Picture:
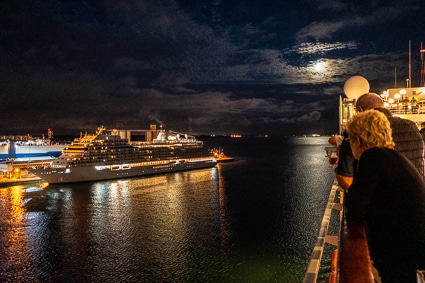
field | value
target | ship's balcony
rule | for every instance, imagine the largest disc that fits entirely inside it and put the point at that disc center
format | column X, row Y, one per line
column 408, row 103
column 414, row 112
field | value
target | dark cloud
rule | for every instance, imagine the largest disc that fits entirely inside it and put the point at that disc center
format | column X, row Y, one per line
column 250, row 67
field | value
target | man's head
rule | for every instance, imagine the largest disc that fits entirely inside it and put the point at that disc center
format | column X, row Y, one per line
column 423, row 125
column 369, row 101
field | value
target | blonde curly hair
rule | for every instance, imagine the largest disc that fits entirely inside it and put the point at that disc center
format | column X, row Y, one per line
column 372, row 128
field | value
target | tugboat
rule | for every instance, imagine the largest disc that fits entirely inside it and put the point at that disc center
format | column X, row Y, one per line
column 220, row 156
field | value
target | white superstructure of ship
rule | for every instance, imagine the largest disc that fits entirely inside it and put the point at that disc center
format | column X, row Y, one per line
column 109, row 154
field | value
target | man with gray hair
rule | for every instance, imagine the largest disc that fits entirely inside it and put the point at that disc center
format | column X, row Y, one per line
column 408, row 141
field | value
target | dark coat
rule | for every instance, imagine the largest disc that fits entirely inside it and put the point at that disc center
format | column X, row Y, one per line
column 388, row 194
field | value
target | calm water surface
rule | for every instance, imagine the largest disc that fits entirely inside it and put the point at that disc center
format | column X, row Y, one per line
column 252, row 220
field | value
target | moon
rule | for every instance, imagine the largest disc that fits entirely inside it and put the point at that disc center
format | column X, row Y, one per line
column 319, row 66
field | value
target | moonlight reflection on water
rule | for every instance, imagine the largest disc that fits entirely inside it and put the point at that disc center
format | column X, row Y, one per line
column 252, row 220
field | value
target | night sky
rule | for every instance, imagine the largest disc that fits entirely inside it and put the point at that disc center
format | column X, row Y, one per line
column 206, row 67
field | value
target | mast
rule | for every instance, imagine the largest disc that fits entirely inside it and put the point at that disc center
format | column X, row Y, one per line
column 395, row 77
column 409, row 82
column 422, row 51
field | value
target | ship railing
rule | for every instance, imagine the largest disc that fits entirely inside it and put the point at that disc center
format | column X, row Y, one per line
column 334, row 202
column 400, row 108
column 350, row 260
column 354, row 263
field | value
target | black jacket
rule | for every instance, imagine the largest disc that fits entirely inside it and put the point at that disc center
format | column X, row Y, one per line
column 388, row 194
column 407, row 138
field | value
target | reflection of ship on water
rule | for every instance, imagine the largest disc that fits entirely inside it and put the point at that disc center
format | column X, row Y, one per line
column 185, row 222
column 111, row 154
column 160, row 182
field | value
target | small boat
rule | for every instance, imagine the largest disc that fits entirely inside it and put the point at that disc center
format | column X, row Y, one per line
column 220, row 156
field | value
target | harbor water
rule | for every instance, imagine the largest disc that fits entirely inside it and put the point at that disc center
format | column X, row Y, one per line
column 252, row 220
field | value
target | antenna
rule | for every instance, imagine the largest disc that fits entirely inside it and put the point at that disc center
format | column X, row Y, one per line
column 422, row 51
column 409, row 82
column 395, row 77
column 190, row 124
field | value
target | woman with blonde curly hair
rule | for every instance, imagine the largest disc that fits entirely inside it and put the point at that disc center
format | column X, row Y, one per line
column 372, row 129
column 388, row 195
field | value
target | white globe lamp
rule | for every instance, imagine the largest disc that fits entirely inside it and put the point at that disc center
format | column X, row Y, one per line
column 356, row 86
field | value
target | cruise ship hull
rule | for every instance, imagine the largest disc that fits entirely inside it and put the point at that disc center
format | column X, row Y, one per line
column 30, row 151
column 101, row 172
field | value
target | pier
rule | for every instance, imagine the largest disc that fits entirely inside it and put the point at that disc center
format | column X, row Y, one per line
column 13, row 172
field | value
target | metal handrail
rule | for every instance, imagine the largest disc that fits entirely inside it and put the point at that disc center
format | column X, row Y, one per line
column 323, row 237
column 353, row 259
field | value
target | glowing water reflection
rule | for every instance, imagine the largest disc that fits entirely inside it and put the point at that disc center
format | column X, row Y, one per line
column 252, row 220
